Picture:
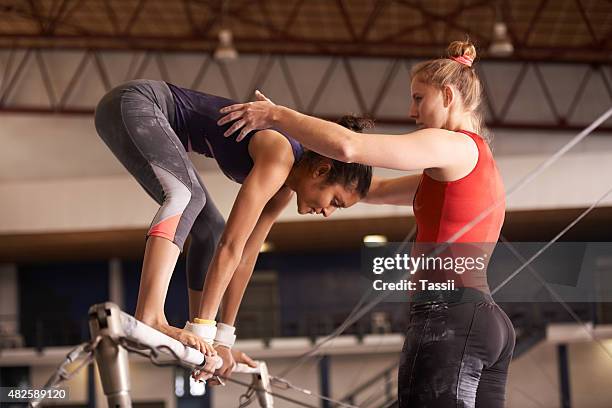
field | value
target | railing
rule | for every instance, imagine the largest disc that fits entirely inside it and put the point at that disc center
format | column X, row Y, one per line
column 306, row 322
column 253, row 324
column 371, row 389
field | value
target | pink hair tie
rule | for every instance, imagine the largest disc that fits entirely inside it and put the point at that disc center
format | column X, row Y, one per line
column 464, row 60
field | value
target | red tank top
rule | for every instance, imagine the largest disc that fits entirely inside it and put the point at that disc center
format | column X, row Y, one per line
column 443, row 208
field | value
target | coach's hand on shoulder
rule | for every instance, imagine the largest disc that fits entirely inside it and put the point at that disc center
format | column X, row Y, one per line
column 248, row 116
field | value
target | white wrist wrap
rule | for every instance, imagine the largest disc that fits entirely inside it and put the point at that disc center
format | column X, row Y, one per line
column 225, row 335
column 206, row 332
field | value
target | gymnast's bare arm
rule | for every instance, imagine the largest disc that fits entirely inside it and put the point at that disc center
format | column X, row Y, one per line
column 273, row 159
column 395, row 191
column 237, row 286
column 233, row 295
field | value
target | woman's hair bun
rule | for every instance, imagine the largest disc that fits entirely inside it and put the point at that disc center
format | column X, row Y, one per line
column 355, row 123
column 461, row 49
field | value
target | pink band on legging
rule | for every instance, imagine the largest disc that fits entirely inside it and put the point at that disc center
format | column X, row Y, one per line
column 166, row 228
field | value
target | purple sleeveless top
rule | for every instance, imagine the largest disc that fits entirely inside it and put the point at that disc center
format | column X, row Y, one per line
column 195, row 123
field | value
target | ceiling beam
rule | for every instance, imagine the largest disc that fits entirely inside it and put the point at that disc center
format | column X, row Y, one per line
column 294, row 46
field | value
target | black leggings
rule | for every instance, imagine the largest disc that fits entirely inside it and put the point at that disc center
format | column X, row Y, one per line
column 456, row 353
column 134, row 120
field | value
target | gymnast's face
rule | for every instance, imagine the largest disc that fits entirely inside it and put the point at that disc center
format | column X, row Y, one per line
column 428, row 107
column 315, row 195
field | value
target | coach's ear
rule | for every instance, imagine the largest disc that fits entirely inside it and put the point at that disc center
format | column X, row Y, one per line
column 448, row 95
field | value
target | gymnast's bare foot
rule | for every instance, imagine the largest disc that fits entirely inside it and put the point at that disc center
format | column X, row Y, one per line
column 192, row 340
column 187, row 338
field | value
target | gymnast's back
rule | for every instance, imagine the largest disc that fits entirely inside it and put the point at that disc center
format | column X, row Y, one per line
column 195, row 123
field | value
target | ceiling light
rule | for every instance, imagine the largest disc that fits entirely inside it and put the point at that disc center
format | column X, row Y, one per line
column 225, row 50
column 501, row 46
column 374, row 239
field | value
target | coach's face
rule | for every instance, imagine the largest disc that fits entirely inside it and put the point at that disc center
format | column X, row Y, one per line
column 428, row 107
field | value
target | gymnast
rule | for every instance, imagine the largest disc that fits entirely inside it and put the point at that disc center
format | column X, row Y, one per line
column 458, row 345
column 150, row 126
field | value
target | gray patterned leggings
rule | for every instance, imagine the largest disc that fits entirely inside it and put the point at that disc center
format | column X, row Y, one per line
column 134, row 120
